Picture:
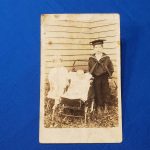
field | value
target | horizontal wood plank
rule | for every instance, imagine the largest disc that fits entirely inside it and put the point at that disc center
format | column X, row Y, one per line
column 50, row 63
column 77, row 24
column 105, row 33
column 76, row 52
column 76, row 40
column 79, row 18
column 67, row 28
column 80, row 57
column 77, row 46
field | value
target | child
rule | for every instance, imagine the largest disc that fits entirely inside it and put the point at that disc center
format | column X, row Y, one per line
column 101, row 68
column 79, row 85
column 58, row 79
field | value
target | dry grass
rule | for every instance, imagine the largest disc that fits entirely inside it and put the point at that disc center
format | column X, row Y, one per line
column 94, row 120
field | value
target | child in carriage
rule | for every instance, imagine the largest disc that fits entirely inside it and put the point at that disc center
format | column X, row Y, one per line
column 79, row 85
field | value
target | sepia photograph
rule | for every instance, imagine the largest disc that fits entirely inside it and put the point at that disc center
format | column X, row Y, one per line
column 80, row 91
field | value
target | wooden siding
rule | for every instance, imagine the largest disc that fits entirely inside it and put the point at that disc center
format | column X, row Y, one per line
column 70, row 35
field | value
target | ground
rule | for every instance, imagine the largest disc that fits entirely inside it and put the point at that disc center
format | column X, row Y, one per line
column 94, row 120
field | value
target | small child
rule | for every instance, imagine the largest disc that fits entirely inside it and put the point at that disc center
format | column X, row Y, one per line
column 58, row 79
column 79, row 85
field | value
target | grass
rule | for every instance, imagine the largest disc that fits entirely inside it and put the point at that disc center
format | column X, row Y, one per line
column 94, row 120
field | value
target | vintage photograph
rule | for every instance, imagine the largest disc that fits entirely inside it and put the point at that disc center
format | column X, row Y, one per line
column 80, row 77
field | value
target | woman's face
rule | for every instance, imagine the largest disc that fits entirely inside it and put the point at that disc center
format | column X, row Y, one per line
column 98, row 49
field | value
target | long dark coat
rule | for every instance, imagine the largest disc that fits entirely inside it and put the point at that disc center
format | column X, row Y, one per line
column 101, row 71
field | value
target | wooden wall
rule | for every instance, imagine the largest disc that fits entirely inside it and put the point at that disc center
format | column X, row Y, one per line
column 70, row 35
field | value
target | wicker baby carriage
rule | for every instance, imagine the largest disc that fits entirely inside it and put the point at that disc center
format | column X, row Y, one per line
column 73, row 101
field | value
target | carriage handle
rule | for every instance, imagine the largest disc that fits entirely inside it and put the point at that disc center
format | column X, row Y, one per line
column 73, row 67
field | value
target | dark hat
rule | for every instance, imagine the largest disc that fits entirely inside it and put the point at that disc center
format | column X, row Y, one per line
column 97, row 42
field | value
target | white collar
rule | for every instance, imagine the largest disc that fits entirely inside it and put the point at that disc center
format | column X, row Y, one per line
column 98, row 57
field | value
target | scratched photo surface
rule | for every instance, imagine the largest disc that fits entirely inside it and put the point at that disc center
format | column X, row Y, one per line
column 80, row 77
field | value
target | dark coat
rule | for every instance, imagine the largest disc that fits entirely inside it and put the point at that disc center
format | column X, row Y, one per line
column 103, row 66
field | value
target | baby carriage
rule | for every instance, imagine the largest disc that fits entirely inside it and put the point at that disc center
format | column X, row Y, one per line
column 69, row 100
column 73, row 101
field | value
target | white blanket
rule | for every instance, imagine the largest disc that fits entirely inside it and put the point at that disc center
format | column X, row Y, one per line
column 79, row 86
